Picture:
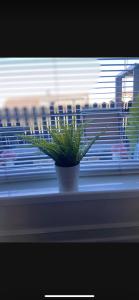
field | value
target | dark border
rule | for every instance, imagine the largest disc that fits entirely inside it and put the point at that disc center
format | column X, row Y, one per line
column 106, row 269
column 68, row 31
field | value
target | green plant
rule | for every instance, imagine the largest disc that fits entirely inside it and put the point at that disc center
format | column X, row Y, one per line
column 66, row 148
column 132, row 127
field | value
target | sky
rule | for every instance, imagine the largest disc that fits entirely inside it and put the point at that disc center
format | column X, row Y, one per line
column 42, row 76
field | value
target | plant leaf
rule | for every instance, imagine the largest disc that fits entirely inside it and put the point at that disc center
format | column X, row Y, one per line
column 65, row 148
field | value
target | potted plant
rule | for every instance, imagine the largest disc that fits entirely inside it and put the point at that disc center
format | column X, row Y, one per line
column 132, row 129
column 66, row 149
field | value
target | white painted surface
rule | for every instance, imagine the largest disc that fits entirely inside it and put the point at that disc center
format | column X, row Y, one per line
column 96, row 185
column 104, row 209
column 68, row 178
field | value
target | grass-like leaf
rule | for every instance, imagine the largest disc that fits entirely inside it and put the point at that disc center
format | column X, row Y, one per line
column 65, row 148
column 132, row 126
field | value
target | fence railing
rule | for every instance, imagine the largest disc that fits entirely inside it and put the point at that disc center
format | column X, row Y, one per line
column 43, row 115
column 36, row 120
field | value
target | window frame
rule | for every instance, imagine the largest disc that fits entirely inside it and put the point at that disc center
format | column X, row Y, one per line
column 117, row 169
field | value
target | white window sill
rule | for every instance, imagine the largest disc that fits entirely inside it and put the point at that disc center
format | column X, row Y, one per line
column 106, row 208
column 47, row 189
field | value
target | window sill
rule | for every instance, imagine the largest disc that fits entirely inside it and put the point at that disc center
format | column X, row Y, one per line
column 45, row 189
column 104, row 209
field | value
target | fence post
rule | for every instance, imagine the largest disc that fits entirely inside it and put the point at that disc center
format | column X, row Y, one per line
column 112, row 104
column 44, row 122
column 104, row 105
column 60, row 113
column 52, row 116
column 69, row 114
column 78, row 114
column 35, row 120
column 95, row 105
column 8, row 117
column 26, row 116
column 17, row 116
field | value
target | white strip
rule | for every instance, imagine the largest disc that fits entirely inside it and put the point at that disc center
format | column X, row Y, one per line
column 102, row 184
column 69, row 296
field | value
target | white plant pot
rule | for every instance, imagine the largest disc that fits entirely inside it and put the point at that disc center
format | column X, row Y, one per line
column 68, row 178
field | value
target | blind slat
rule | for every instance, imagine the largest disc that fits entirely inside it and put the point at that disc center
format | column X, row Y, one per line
column 107, row 86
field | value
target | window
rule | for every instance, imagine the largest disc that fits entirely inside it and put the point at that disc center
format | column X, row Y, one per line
column 35, row 92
